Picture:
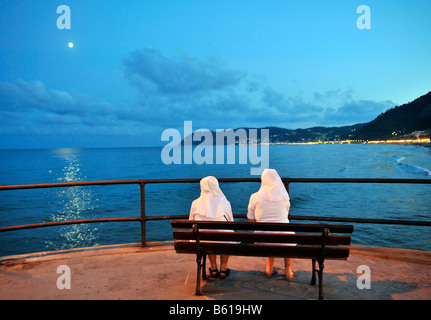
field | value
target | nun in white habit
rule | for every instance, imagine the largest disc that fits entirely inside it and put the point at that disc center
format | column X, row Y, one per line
column 212, row 205
column 271, row 204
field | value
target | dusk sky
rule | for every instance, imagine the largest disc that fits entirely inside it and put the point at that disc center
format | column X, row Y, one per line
column 137, row 68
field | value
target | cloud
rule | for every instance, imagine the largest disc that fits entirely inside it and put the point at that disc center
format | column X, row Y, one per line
column 208, row 92
column 21, row 96
column 213, row 95
column 181, row 75
column 293, row 108
column 171, row 90
column 32, row 107
column 357, row 111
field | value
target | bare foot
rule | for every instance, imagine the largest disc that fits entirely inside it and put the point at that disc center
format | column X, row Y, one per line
column 269, row 271
column 289, row 276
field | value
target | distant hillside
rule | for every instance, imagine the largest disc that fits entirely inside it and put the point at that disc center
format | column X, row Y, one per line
column 399, row 121
column 408, row 120
column 315, row 134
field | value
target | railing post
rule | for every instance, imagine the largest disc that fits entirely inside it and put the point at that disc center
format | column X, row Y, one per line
column 286, row 185
column 143, row 217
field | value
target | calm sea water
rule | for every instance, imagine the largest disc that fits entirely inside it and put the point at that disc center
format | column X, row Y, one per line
column 385, row 201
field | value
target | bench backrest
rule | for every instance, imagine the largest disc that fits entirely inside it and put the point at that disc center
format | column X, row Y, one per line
column 240, row 238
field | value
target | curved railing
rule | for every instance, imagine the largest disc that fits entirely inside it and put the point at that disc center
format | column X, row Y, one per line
column 143, row 218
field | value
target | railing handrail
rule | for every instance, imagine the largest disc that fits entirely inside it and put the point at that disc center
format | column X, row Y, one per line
column 148, row 181
column 143, row 218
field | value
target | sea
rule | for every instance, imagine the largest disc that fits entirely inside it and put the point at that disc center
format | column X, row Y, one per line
column 376, row 201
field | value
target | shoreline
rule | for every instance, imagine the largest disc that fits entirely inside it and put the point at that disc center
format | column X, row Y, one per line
column 425, row 143
column 420, row 142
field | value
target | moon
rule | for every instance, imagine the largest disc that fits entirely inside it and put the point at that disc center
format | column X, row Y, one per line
column 70, row 45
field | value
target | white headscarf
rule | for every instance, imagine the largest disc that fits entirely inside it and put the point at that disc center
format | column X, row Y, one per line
column 212, row 203
column 272, row 188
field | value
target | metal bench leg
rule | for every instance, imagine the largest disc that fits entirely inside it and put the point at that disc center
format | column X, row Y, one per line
column 321, row 266
column 204, row 268
column 320, row 273
column 313, row 272
column 198, row 277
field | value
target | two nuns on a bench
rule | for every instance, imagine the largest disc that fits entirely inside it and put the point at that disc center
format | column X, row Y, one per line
column 270, row 204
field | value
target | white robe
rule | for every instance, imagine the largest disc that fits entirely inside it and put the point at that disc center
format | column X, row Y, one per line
column 212, row 205
column 271, row 203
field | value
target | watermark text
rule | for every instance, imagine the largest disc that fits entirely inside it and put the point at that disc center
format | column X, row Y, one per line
column 198, row 147
column 364, row 280
column 364, row 20
column 64, row 280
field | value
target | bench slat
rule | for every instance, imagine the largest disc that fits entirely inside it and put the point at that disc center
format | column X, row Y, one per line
column 299, row 251
column 262, row 226
column 310, row 239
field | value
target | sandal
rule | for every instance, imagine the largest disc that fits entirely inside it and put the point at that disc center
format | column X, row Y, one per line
column 213, row 273
column 269, row 274
column 291, row 276
column 225, row 273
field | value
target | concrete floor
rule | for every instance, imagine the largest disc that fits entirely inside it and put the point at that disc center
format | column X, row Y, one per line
column 156, row 272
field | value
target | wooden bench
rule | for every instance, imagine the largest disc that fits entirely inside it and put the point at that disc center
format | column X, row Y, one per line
column 312, row 241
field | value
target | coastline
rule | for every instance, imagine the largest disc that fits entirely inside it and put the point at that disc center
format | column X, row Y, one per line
column 420, row 142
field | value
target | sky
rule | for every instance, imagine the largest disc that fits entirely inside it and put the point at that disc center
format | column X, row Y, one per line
column 140, row 67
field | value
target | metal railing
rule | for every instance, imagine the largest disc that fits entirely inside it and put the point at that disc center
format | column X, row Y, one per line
column 143, row 218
